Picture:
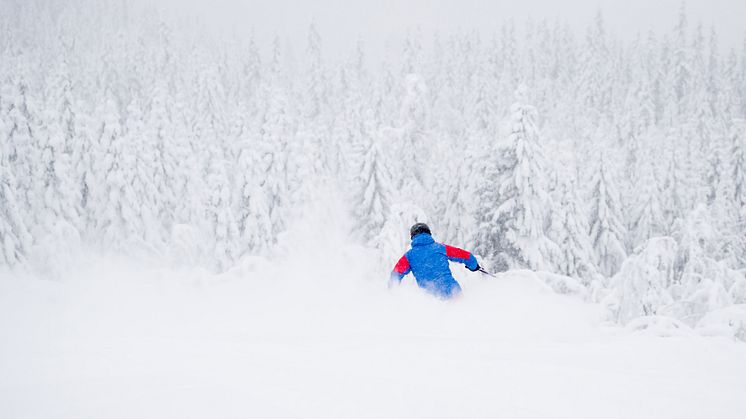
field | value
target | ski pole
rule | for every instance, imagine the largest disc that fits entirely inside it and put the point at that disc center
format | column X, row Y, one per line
column 481, row 269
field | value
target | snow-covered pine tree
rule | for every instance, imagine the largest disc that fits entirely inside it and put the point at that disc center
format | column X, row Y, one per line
column 721, row 204
column 465, row 157
column 252, row 71
column 594, row 79
column 666, row 104
column 489, row 236
column 61, row 195
column 738, row 165
column 277, row 131
column 508, row 64
column 142, row 159
column 714, row 74
column 569, row 230
column 110, row 193
column 513, row 214
column 741, row 83
column 251, row 204
column 641, row 287
column 648, row 218
column 412, row 136
column 15, row 239
column 681, row 69
column 254, row 221
column 310, row 153
column 165, row 153
column 606, row 227
column 219, row 216
column 354, row 96
column 83, row 153
column 374, row 185
column 674, row 183
column 458, row 217
column 729, row 103
column 701, row 131
column 732, row 195
column 23, row 147
column 696, row 284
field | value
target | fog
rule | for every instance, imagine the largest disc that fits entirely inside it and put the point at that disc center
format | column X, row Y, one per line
column 382, row 24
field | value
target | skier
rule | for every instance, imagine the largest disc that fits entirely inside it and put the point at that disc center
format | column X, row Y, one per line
column 428, row 261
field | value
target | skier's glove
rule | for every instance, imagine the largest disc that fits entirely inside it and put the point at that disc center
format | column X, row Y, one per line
column 475, row 269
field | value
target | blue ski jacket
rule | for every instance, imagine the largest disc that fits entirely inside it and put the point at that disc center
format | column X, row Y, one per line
column 428, row 261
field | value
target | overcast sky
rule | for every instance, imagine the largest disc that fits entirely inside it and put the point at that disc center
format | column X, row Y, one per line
column 342, row 21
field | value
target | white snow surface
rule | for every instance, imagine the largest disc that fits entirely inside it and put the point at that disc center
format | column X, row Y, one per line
column 317, row 334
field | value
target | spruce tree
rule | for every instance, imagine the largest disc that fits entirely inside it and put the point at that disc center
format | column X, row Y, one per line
column 569, row 230
column 513, row 214
column 606, row 227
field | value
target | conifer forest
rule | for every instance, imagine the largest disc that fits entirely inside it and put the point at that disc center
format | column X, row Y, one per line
column 607, row 167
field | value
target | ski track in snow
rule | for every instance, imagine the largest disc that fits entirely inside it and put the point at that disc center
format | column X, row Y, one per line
column 308, row 337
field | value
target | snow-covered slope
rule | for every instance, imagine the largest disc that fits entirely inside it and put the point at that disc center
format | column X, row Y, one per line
column 320, row 335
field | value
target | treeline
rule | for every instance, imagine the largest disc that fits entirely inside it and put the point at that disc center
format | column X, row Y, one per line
column 620, row 164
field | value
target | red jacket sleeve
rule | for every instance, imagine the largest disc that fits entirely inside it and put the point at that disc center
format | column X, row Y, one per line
column 460, row 255
column 402, row 268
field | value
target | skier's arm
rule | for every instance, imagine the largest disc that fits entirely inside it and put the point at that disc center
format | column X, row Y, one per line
column 402, row 268
column 462, row 256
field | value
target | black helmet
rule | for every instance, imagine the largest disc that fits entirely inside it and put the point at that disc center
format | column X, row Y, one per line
column 418, row 228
